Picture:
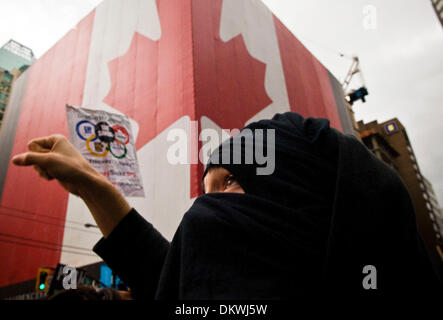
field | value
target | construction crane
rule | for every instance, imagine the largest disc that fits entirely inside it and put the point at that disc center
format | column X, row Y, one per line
column 358, row 94
column 350, row 95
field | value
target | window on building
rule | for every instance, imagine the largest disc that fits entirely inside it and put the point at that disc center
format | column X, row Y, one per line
column 7, row 77
column 386, row 159
column 4, row 87
column 368, row 143
column 23, row 68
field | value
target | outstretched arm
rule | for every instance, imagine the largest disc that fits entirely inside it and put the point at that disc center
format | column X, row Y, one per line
column 132, row 247
column 54, row 157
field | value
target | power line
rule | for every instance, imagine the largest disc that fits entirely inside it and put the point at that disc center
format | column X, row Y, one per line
column 49, row 223
column 46, row 248
column 44, row 242
column 42, row 215
column 335, row 52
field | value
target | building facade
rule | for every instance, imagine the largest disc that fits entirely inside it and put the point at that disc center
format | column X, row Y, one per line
column 390, row 143
column 167, row 65
column 15, row 58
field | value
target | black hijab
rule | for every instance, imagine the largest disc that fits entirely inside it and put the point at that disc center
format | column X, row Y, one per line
column 328, row 209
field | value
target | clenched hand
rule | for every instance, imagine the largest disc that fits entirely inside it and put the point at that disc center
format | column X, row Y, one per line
column 54, row 157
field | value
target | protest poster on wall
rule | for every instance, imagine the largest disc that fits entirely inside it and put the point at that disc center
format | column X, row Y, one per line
column 105, row 139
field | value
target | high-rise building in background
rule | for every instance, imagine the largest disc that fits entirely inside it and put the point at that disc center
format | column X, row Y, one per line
column 438, row 7
column 390, row 143
column 15, row 58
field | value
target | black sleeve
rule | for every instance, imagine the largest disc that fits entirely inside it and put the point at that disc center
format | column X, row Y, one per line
column 135, row 251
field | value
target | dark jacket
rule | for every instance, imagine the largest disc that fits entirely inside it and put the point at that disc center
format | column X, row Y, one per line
column 329, row 209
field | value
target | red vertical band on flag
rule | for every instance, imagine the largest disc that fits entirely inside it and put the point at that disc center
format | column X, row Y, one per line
column 32, row 210
column 307, row 80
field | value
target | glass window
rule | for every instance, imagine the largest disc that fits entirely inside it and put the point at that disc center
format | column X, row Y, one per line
column 7, row 77
column 23, row 68
column 4, row 87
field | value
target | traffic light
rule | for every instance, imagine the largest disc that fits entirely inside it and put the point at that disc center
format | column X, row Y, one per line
column 42, row 280
column 358, row 94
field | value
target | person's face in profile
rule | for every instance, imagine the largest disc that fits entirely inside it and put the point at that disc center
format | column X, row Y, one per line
column 219, row 179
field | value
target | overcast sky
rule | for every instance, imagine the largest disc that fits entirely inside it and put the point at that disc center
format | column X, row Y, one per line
column 401, row 59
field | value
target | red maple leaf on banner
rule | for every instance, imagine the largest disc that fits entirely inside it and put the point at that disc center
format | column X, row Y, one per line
column 153, row 82
column 137, row 97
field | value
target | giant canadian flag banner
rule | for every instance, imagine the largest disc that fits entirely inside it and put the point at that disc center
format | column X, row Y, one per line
column 164, row 66
column 105, row 139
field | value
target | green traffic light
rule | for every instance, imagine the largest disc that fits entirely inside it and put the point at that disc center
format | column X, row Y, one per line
column 42, row 286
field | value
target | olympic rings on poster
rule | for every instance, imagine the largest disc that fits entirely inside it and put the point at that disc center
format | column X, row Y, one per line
column 106, row 136
column 117, row 128
column 100, row 155
column 115, row 156
column 77, row 129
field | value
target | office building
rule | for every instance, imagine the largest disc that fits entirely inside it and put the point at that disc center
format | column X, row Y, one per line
column 390, row 143
column 15, row 58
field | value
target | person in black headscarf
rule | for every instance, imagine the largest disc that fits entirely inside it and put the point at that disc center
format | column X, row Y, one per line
column 327, row 215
